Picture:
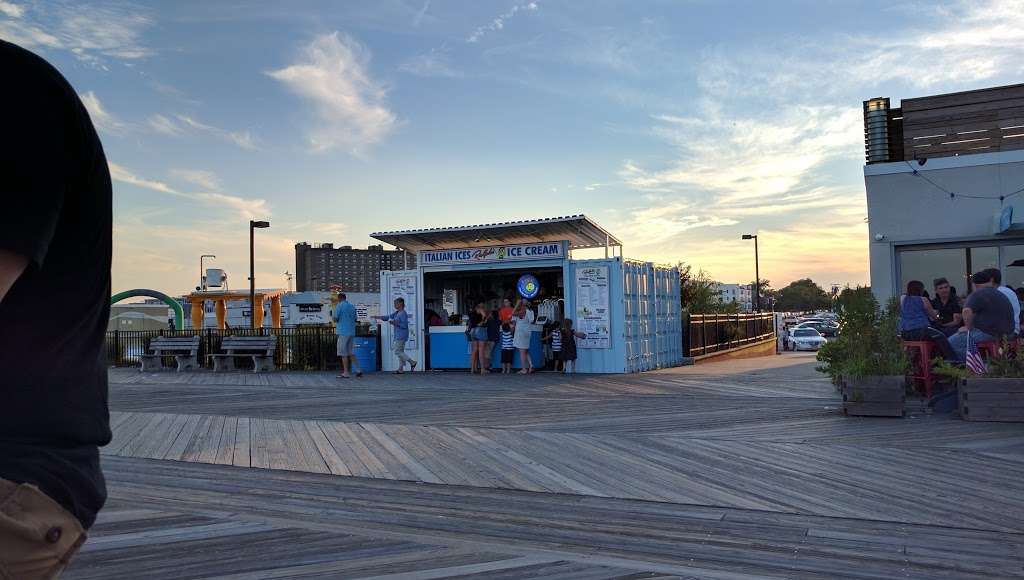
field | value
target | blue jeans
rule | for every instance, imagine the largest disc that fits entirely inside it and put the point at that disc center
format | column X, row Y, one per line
column 959, row 342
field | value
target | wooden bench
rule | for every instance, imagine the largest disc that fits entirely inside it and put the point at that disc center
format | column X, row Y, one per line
column 185, row 350
column 259, row 348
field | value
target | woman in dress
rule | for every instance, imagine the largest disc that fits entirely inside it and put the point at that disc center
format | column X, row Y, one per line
column 522, row 319
column 477, row 335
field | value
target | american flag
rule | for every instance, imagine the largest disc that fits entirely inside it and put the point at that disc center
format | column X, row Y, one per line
column 974, row 360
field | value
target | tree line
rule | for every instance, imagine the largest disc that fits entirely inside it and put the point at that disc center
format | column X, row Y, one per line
column 699, row 295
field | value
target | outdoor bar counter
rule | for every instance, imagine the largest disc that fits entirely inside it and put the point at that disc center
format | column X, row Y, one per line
column 449, row 349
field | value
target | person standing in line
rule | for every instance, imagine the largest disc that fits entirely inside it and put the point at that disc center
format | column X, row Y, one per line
column 569, row 337
column 55, row 251
column 522, row 320
column 345, row 317
column 476, row 334
column 508, row 349
column 493, row 336
column 399, row 319
column 555, row 338
column 505, row 313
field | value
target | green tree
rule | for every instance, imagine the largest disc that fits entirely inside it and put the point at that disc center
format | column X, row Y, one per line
column 801, row 296
column 699, row 295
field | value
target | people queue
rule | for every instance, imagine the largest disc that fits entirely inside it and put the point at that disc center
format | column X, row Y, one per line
column 513, row 327
column 991, row 313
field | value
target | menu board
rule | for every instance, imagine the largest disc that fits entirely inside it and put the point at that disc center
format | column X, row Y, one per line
column 405, row 287
column 592, row 315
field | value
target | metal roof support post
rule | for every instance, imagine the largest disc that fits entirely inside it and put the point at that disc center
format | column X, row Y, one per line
column 606, row 240
column 405, row 259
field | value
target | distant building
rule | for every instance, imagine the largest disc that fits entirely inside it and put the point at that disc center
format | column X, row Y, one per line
column 149, row 315
column 944, row 176
column 738, row 293
column 321, row 266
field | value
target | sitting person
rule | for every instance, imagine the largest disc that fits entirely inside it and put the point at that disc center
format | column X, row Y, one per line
column 916, row 316
column 947, row 304
column 997, row 279
column 987, row 315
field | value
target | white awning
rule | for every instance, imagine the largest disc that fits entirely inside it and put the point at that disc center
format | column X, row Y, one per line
column 579, row 230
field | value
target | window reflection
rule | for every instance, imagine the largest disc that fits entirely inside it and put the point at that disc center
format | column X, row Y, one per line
column 927, row 265
column 1012, row 275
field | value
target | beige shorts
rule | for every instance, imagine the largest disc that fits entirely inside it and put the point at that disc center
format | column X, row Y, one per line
column 38, row 537
column 345, row 345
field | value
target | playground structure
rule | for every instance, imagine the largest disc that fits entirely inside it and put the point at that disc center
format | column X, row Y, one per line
column 179, row 312
column 220, row 299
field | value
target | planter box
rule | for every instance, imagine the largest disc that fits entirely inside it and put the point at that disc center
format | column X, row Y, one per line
column 988, row 399
column 874, row 396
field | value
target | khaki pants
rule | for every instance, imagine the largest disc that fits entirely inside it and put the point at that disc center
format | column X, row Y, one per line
column 38, row 537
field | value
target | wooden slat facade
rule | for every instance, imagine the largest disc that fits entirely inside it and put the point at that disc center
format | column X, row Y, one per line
column 979, row 121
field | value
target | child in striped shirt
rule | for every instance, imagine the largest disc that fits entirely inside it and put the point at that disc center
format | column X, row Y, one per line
column 555, row 338
column 508, row 349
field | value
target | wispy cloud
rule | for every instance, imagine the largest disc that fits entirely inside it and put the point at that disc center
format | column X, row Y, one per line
column 200, row 177
column 102, row 119
column 499, row 22
column 243, row 207
column 182, row 124
column 434, row 63
column 92, row 32
column 333, row 76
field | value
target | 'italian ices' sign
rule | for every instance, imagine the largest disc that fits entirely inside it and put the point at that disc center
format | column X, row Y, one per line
column 546, row 250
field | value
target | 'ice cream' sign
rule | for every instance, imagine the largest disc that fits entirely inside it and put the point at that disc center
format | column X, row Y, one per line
column 545, row 250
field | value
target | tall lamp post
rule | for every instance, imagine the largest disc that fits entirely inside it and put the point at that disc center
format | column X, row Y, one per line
column 202, row 272
column 252, row 269
column 757, row 273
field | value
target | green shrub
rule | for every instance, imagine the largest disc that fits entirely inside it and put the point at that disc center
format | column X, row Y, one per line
column 868, row 343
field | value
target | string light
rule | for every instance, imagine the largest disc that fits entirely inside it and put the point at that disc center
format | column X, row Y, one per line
column 954, row 195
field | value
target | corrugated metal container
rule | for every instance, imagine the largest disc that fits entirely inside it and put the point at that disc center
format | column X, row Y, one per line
column 646, row 320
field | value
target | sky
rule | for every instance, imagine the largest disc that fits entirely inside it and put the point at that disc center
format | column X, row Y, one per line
column 677, row 125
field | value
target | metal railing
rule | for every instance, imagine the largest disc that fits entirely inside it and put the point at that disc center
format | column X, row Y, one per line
column 299, row 348
column 710, row 333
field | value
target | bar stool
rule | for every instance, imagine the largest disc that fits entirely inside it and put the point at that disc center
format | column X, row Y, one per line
column 988, row 348
column 920, row 353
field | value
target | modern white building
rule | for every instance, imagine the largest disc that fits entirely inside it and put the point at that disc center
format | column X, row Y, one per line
column 741, row 294
column 945, row 188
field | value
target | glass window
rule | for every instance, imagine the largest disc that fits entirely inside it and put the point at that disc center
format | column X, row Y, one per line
column 927, row 265
column 1012, row 275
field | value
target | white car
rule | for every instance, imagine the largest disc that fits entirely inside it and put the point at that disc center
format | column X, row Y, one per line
column 804, row 339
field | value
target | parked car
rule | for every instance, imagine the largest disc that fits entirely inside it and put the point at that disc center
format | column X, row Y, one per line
column 826, row 329
column 804, row 339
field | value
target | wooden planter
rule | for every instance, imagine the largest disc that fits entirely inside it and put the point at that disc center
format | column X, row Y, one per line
column 874, row 396
column 988, row 399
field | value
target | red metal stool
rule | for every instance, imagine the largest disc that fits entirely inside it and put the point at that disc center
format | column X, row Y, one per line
column 988, row 348
column 920, row 353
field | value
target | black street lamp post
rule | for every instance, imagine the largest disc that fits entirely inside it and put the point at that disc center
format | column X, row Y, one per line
column 252, row 269
column 757, row 273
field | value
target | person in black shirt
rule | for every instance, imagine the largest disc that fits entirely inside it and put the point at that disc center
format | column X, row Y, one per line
column 947, row 304
column 55, row 250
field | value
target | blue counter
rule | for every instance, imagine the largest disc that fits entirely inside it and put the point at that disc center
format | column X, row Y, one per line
column 449, row 349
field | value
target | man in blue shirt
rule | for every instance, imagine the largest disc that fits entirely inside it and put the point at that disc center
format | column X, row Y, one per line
column 400, row 320
column 345, row 317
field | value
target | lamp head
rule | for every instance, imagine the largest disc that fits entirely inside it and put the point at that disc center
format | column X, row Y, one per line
column 260, row 224
column 748, row 236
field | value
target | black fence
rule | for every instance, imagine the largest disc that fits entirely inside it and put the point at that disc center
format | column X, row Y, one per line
column 300, row 348
column 711, row 333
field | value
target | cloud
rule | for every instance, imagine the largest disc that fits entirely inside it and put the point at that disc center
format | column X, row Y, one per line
column 243, row 207
column 434, row 63
column 12, row 10
column 183, row 124
column 499, row 22
column 91, row 32
column 163, row 125
column 332, row 75
column 101, row 118
column 200, row 177
column 418, row 19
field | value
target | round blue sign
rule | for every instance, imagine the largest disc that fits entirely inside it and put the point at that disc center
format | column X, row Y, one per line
column 528, row 286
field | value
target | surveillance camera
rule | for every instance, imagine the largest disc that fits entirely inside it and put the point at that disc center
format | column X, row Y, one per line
column 879, row 237
column 922, row 161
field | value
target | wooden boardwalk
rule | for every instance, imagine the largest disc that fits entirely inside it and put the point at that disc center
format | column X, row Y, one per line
column 742, row 469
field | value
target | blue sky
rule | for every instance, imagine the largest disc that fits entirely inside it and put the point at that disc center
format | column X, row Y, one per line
column 678, row 125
